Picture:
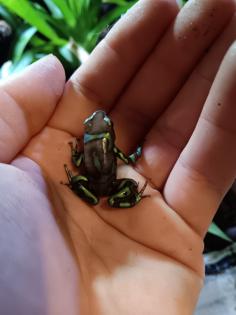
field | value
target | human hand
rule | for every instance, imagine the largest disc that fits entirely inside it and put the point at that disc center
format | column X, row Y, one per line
column 65, row 256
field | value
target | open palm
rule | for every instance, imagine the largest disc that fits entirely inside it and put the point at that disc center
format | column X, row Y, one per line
column 62, row 256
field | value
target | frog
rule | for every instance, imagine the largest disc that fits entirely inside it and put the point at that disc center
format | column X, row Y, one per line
column 97, row 166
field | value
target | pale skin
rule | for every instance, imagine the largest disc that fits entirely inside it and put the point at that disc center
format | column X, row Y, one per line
column 59, row 255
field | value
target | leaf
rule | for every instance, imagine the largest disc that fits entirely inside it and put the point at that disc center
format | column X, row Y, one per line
column 112, row 16
column 5, row 69
column 215, row 230
column 67, row 54
column 74, row 6
column 118, row 2
column 9, row 67
column 22, row 42
column 109, row 18
column 25, row 10
column 53, row 9
column 182, row 2
column 66, row 11
column 37, row 41
column 25, row 60
column 8, row 17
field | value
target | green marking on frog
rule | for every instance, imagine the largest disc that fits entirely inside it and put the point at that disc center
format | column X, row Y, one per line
column 99, row 161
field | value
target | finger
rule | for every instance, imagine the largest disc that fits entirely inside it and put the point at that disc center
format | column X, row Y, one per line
column 27, row 101
column 99, row 81
column 172, row 130
column 168, row 67
column 206, row 168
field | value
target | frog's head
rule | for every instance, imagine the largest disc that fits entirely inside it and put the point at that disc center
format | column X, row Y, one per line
column 98, row 122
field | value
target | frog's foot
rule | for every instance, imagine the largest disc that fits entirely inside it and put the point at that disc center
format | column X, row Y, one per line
column 80, row 186
column 127, row 194
column 76, row 155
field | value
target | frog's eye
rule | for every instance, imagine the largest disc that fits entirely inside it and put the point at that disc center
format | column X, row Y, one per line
column 107, row 120
column 88, row 122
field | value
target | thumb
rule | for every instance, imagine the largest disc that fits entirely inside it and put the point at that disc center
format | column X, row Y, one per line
column 27, row 101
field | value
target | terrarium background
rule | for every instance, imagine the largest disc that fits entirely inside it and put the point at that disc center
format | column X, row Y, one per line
column 70, row 29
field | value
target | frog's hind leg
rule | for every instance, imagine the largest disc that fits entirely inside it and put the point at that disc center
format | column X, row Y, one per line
column 127, row 194
column 80, row 186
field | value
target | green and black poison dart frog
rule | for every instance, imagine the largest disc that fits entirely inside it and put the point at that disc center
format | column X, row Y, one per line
column 98, row 161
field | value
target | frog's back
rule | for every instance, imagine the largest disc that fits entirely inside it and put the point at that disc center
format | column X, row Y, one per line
column 100, row 166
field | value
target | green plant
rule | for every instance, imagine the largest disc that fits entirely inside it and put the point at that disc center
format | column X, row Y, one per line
column 70, row 29
column 215, row 230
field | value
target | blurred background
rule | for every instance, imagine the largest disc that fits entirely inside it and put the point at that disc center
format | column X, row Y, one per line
column 70, row 29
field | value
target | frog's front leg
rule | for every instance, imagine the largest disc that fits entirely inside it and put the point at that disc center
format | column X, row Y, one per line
column 80, row 186
column 76, row 155
column 127, row 194
column 128, row 159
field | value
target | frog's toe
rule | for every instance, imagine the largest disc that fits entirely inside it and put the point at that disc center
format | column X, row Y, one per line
column 120, row 203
